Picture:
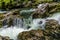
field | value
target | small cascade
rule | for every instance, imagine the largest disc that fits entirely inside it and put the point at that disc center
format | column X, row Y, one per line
column 27, row 22
column 18, row 22
column 55, row 16
column 38, row 24
column 27, row 17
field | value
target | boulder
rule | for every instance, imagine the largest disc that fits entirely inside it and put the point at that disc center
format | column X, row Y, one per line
column 31, row 35
column 52, row 24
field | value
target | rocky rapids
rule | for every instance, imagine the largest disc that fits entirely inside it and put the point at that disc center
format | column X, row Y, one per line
column 37, row 29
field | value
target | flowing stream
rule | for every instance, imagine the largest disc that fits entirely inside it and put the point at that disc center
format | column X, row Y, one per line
column 20, row 26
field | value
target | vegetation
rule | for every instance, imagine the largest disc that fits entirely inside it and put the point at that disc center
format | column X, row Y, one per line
column 11, row 4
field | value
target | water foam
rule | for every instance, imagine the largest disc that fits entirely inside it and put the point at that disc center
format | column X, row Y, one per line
column 12, row 32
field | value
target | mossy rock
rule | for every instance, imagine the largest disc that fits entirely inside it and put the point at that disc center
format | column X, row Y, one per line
column 31, row 35
column 51, row 23
column 1, row 24
column 38, row 35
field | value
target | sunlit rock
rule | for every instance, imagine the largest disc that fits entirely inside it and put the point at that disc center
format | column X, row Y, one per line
column 38, row 24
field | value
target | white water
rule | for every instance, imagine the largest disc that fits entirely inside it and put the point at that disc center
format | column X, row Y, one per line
column 12, row 32
column 37, row 24
column 55, row 16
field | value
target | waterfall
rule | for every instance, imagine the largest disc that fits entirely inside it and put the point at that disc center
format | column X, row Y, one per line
column 18, row 22
column 27, row 22
column 27, row 17
column 38, row 24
